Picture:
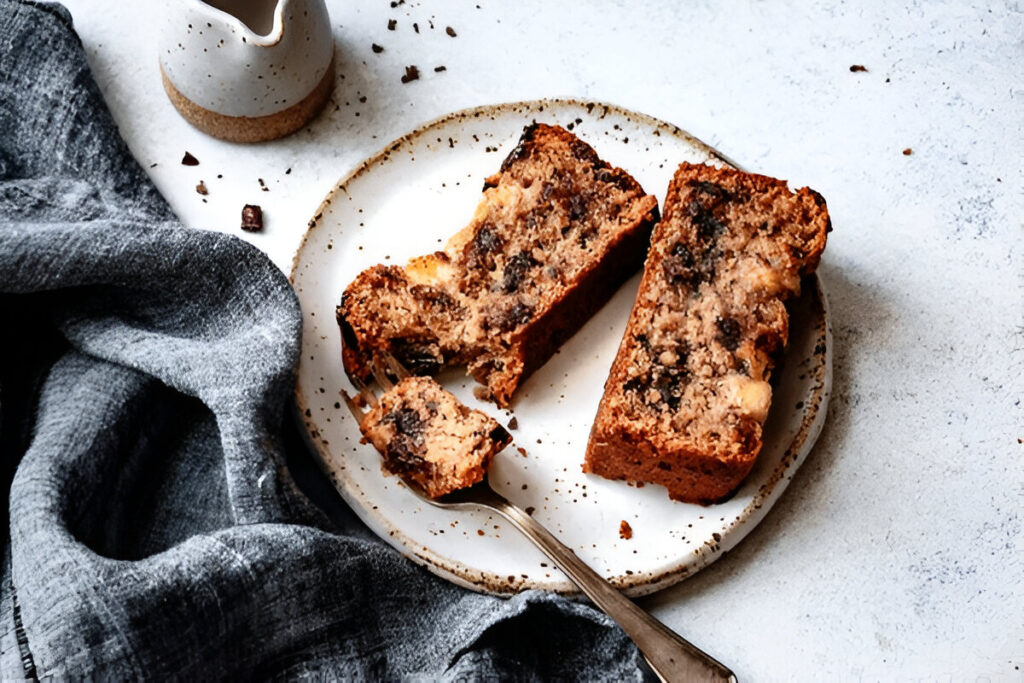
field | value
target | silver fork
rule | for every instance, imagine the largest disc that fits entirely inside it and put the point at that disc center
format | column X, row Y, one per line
column 671, row 657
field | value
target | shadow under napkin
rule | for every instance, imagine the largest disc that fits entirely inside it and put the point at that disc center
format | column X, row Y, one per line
column 144, row 371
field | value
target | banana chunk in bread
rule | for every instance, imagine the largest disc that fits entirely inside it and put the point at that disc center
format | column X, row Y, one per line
column 688, row 392
column 426, row 434
column 557, row 231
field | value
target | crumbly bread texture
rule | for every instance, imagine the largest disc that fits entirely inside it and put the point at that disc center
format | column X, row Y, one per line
column 688, row 392
column 557, row 232
column 429, row 436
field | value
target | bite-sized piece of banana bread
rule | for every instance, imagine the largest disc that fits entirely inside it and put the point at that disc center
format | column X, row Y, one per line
column 688, row 392
column 557, row 232
column 430, row 437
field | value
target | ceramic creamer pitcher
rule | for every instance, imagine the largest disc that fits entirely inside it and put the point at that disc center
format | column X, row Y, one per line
column 247, row 70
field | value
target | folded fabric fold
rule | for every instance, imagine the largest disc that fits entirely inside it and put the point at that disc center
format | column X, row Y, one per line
column 155, row 529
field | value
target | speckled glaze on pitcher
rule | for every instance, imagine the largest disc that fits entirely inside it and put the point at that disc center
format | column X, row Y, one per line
column 247, row 70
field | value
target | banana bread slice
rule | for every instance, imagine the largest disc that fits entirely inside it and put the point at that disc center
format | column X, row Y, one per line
column 557, row 232
column 426, row 434
column 688, row 392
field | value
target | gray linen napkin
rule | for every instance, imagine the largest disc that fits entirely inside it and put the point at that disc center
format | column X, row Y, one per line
column 155, row 530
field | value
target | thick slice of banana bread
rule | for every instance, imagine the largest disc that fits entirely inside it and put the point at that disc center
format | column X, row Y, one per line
column 557, row 232
column 688, row 392
column 429, row 436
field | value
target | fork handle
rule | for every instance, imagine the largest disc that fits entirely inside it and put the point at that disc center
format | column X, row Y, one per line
column 672, row 657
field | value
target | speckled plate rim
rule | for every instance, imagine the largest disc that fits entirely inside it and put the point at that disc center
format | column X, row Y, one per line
column 641, row 583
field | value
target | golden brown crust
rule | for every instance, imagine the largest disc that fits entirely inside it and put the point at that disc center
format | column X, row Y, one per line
column 556, row 233
column 688, row 392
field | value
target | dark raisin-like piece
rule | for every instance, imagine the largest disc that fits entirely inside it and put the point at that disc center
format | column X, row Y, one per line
column 586, row 236
column 419, row 357
column 577, row 207
column 508, row 319
column 485, row 242
column 252, row 218
column 710, row 188
column 729, row 333
column 667, row 386
column 434, row 298
column 679, row 266
column 708, row 226
column 515, row 271
column 617, row 178
column 403, row 452
column 402, row 456
column 634, row 385
column 545, row 190
column 406, row 421
column 499, row 436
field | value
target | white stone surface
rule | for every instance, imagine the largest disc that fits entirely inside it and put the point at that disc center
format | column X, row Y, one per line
column 896, row 552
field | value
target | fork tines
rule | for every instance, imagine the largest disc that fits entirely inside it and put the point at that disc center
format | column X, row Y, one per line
column 380, row 374
column 396, row 368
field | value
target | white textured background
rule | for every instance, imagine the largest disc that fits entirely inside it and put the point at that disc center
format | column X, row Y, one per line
column 896, row 551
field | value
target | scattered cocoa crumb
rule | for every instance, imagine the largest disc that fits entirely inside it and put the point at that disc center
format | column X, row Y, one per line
column 513, row 423
column 529, row 511
column 392, row 24
column 189, row 160
column 153, row 165
column 858, row 67
column 289, row 171
column 396, row 3
column 201, row 188
column 450, row 31
column 907, row 152
column 625, row 530
column 415, row 27
column 377, row 48
column 479, row 532
column 362, row 100
column 411, row 74
column 439, row 69
column 252, row 218
column 522, row 451
column 263, row 185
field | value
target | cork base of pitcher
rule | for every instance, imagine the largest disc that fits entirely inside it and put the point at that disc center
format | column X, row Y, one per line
column 256, row 128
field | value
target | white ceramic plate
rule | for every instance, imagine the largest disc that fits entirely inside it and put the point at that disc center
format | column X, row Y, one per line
column 406, row 201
